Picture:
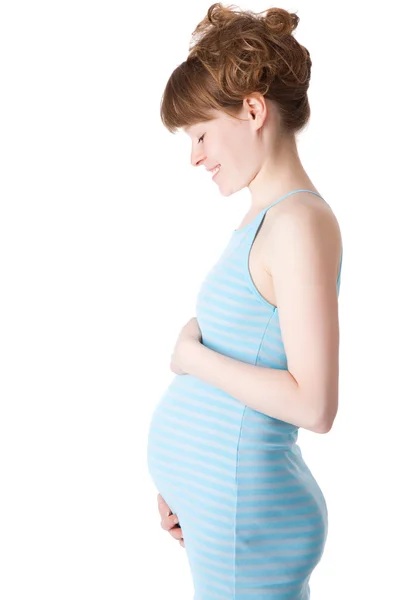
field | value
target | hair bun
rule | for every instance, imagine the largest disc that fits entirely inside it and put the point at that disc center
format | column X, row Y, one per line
column 234, row 53
column 280, row 22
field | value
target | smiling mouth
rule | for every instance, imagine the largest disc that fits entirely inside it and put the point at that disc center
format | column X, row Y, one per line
column 215, row 171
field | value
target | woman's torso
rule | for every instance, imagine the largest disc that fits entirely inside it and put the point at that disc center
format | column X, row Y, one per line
column 234, row 476
column 238, row 317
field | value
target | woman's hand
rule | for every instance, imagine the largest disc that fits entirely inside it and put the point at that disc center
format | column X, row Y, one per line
column 170, row 522
column 189, row 336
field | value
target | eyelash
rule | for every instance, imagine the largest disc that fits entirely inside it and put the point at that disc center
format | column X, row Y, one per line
column 202, row 137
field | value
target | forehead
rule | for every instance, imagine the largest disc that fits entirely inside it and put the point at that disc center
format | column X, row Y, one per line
column 189, row 129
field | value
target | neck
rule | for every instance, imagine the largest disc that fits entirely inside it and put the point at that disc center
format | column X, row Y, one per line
column 280, row 173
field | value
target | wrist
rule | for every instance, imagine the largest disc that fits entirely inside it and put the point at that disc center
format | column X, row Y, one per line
column 190, row 354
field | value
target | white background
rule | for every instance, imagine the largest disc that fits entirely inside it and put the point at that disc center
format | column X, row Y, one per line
column 106, row 232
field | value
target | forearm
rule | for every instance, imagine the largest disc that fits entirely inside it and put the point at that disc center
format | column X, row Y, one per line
column 273, row 392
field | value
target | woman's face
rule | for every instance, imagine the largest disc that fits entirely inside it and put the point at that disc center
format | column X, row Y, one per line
column 231, row 143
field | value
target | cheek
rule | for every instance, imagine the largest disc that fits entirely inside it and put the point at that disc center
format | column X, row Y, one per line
column 242, row 159
column 242, row 145
column 234, row 152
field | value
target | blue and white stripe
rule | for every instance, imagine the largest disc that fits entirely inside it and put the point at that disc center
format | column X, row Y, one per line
column 253, row 517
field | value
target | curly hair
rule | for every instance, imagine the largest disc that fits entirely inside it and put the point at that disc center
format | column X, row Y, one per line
column 234, row 54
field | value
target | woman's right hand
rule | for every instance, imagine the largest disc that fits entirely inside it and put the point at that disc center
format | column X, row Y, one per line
column 169, row 522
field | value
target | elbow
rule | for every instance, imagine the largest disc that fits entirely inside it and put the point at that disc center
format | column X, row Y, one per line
column 323, row 427
column 323, row 423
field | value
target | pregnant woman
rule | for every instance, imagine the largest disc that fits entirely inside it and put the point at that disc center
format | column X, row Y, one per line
column 260, row 359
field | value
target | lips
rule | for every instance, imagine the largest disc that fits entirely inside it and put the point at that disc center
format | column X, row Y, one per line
column 215, row 171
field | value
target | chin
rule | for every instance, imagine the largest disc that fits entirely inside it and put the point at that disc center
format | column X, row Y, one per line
column 226, row 192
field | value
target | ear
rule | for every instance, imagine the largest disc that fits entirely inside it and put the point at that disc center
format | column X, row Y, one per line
column 256, row 109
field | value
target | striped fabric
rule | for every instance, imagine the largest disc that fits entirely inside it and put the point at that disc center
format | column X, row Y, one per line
column 253, row 517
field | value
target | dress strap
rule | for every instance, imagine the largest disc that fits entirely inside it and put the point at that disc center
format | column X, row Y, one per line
column 293, row 192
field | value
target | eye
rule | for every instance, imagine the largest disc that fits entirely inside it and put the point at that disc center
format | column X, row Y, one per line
column 201, row 139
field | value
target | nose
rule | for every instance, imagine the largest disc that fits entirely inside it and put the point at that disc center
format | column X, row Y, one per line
column 197, row 157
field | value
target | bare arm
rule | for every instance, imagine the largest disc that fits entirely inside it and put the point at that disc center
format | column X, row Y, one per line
column 303, row 262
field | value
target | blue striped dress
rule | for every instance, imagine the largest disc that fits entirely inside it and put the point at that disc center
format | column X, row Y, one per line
column 253, row 517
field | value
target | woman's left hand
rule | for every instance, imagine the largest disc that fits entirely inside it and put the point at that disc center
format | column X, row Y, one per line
column 188, row 338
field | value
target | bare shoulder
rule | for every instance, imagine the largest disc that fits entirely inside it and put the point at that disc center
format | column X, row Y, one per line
column 302, row 217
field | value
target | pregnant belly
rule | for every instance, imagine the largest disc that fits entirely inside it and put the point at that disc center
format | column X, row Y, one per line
column 206, row 449
column 192, row 441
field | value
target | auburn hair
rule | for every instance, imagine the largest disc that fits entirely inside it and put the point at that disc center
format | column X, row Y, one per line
column 234, row 54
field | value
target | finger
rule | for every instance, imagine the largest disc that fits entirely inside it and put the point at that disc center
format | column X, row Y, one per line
column 161, row 501
column 169, row 522
column 163, row 507
column 176, row 533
